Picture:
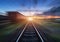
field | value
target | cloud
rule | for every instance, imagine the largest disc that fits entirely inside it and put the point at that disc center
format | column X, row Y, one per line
column 55, row 3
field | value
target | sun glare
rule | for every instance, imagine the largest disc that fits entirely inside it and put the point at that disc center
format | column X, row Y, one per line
column 30, row 19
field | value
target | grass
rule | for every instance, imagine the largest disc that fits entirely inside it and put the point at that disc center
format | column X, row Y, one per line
column 55, row 27
column 9, row 29
column 55, row 37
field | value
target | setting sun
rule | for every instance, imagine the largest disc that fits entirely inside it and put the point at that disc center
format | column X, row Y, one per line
column 30, row 19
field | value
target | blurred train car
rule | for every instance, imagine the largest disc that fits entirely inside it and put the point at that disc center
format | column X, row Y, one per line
column 15, row 16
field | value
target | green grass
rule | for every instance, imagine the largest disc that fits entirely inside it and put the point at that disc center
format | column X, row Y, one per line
column 55, row 27
column 9, row 29
column 55, row 37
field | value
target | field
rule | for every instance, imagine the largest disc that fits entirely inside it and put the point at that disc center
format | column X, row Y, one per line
column 53, row 29
column 8, row 29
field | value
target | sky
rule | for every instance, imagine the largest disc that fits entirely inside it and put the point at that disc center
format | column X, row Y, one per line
column 24, row 5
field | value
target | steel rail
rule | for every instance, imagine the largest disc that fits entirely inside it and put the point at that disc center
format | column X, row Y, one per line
column 21, row 33
column 38, row 33
column 24, row 30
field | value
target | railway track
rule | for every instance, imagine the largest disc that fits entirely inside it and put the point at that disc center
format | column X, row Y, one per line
column 29, row 34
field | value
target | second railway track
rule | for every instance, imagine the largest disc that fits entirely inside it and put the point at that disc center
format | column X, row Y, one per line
column 29, row 34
